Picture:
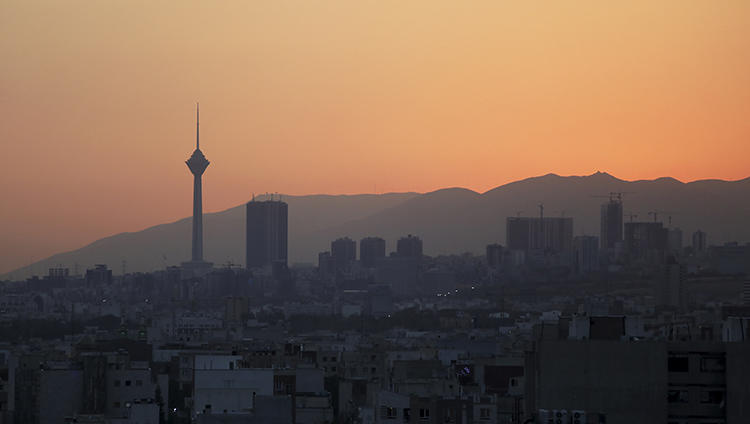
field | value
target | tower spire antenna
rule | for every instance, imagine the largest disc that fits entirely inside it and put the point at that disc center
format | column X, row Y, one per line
column 197, row 126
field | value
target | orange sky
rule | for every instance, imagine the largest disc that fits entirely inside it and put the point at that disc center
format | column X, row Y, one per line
column 97, row 101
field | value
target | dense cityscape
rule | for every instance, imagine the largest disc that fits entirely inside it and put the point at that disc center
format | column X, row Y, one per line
column 643, row 324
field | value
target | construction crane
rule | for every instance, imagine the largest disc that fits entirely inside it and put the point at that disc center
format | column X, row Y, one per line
column 631, row 216
column 618, row 194
column 657, row 212
column 614, row 195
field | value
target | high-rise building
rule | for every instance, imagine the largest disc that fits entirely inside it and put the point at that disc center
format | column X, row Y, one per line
column 586, row 253
column 674, row 240
column 611, row 224
column 197, row 163
column 494, row 255
column 671, row 291
column 326, row 266
column 549, row 234
column 699, row 241
column 236, row 310
column 371, row 249
column 409, row 247
column 343, row 252
column 646, row 241
column 267, row 232
column 98, row 276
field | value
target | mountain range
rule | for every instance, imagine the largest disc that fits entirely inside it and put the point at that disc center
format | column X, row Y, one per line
column 450, row 220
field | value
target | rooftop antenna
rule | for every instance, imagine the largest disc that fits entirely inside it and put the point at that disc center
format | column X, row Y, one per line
column 197, row 126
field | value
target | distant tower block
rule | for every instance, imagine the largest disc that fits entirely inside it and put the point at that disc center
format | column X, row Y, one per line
column 197, row 164
column 266, row 233
column 699, row 241
column 611, row 223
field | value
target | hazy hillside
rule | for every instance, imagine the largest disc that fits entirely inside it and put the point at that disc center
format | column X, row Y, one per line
column 449, row 221
column 455, row 220
column 224, row 235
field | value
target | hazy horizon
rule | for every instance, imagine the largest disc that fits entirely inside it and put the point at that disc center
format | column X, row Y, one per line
column 10, row 263
column 336, row 97
column 494, row 211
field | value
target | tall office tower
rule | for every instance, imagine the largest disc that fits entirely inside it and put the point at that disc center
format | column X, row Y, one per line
column 746, row 292
column 326, row 266
column 674, row 240
column 549, row 234
column 699, row 241
column 494, row 255
column 343, row 252
column 197, row 165
column 370, row 250
column 266, row 233
column 98, row 276
column 671, row 291
column 646, row 241
column 586, row 253
column 409, row 247
column 611, row 223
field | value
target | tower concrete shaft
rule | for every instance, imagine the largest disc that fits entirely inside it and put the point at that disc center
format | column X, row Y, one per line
column 197, row 165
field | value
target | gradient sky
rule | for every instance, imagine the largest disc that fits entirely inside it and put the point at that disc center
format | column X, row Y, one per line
column 97, row 102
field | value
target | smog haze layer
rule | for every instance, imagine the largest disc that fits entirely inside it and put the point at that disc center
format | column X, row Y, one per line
column 97, row 102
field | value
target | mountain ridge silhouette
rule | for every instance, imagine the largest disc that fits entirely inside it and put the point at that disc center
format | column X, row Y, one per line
column 449, row 220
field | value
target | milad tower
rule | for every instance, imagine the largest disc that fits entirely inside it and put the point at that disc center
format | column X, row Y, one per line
column 197, row 165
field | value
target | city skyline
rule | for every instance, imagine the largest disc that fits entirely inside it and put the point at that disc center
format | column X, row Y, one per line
column 425, row 212
column 438, row 94
column 459, row 220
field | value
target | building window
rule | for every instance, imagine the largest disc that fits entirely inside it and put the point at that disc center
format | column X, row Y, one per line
column 407, row 415
column 127, row 382
column 484, row 414
column 449, row 416
column 386, row 412
column 677, row 396
column 713, row 364
column 424, row 413
column 712, row 396
column 678, row 364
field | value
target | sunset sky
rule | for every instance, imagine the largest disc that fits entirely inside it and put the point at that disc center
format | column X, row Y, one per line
column 97, row 102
